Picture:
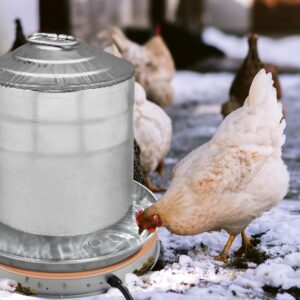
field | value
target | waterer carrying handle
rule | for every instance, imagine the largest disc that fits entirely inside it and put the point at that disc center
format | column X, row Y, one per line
column 52, row 39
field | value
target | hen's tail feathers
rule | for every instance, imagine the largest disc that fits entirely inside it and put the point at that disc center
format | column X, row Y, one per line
column 262, row 94
column 259, row 124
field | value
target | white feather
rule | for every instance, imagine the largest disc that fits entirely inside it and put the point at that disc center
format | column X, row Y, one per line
column 154, row 66
column 152, row 130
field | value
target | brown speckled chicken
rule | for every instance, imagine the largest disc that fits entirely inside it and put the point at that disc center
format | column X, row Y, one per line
column 243, row 79
column 154, row 66
column 231, row 180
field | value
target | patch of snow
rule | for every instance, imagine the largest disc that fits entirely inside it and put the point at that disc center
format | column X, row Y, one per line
column 171, row 161
column 293, row 259
column 275, row 273
column 284, row 296
column 185, row 260
column 282, row 52
column 8, row 285
column 202, row 87
column 196, row 271
column 7, row 288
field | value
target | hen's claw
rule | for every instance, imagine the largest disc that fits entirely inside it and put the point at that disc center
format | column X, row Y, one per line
column 246, row 247
column 223, row 256
column 248, row 253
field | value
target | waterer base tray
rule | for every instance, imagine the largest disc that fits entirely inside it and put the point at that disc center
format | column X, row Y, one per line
column 86, row 283
column 57, row 266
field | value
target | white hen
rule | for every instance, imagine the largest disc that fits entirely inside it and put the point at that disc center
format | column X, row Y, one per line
column 154, row 66
column 153, row 132
column 234, row 178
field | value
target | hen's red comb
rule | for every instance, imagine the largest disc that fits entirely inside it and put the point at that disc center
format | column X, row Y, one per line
column 157, row 30
column 138, row 216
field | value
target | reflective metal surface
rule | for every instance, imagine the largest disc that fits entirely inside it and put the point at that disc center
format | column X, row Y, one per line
column 69, row 285
column 61, row 63
column 77, row 253
column 66, row 136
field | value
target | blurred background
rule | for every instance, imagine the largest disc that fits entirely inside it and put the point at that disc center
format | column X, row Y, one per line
column 208, row 42
column 180, row 21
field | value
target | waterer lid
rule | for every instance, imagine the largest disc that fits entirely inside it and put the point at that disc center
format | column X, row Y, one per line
column 61, row 63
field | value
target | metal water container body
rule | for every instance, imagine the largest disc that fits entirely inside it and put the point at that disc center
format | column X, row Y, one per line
column 66, row 137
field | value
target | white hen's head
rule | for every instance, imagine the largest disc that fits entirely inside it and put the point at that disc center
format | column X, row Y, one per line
column 147, row 220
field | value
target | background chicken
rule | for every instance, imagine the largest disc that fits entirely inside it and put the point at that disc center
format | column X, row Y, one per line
column 244, row 77
column 153, row 63
column 231, row 180
column 152, row 132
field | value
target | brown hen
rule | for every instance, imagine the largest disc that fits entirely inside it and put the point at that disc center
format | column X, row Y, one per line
column 244, row 77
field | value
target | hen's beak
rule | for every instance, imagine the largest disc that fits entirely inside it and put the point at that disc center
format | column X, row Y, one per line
column 141, row 230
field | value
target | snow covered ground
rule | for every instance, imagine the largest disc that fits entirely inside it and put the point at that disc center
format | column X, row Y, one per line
column 189, row 271
column 283, row 52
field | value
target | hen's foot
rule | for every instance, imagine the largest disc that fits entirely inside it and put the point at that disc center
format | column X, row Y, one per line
column 152, row 187
column 246, row 247
column 246, row 250
column 223, row 256
column 244, row 255
column 247, row 253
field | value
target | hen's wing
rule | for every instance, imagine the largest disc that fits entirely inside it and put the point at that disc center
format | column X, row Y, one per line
column 242, row 143
column 211, row 170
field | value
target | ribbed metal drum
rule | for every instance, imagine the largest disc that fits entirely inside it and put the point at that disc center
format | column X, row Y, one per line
column 66, row 137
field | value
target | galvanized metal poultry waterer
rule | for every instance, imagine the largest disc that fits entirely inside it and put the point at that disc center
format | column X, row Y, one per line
column 67, row 198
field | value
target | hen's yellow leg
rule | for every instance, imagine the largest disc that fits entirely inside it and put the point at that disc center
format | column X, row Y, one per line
column 246, row 247
column 249, row 251
column 245, row 240
column 223, row 256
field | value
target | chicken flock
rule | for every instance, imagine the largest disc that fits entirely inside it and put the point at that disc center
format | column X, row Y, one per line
column 152, row 133
column 229, row 181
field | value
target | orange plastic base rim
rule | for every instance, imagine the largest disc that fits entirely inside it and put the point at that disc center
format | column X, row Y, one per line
column 74, row 275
